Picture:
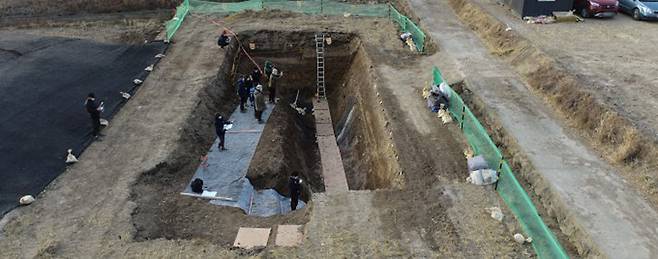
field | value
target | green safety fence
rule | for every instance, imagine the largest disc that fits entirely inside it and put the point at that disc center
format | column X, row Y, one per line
column 172, row 25
column 315, row 7
column 544, row 242
column 406, row 25
column 312, row 7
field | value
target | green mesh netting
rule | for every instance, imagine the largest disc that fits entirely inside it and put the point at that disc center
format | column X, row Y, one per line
column 544, row 242
column 198, row 6
column 317, row 7
column 407, row 25
column 313, row 7
column 172, row 25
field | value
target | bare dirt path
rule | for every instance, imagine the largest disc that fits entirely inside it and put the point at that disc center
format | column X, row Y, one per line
column 584, row 185
column 131, row 27
column 612, row 56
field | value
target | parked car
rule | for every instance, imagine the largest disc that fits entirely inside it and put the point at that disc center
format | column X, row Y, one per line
column 640, row 9
column 596, row 8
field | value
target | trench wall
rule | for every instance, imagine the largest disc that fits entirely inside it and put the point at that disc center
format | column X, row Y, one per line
column 367, row 151
column 160, row 211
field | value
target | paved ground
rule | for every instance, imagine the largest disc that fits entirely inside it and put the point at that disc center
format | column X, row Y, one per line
column 614, row 56
column 613, row 215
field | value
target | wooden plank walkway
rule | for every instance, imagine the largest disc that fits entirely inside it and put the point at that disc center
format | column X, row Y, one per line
column 332, row 164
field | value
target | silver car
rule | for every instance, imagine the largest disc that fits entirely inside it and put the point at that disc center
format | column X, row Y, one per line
column 640, row 9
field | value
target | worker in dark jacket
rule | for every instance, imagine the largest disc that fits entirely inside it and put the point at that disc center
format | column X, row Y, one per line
column 250, row 84
column 223, row 39
column 268, row 68
column 220, row 122
column 243, row 92
column 295, row 186
column 94, row 109
column 256, row 75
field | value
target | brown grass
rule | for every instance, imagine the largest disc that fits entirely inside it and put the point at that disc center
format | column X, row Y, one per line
column 614, row 136
column 69, row 7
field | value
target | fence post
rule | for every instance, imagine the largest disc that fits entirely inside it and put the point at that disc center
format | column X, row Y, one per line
column 389, row 10
column 461, row 121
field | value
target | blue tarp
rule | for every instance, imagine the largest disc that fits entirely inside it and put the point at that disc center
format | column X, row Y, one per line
column 225, row 172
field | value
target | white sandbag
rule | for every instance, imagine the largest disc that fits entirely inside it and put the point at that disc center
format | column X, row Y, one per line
column 496, row 213
column 125, row 95
column 483, row 177
column 70, row 158
column 521, row 239
column 445, row 116
column 26, row 200
column 443, row 89
column 477, row 163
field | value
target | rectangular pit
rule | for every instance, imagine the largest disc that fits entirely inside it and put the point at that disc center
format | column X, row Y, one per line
column 287, row 144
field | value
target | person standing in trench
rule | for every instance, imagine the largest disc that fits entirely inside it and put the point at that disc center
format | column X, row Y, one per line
column 220, row 122
column 259, row 103
column 295, row 186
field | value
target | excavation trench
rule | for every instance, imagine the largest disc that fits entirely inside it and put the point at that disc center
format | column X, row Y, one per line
column 366, row 150
column 287, row 144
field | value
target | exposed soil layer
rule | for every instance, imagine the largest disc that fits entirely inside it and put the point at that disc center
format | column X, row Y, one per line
column 161, row 212
column 619, row 140
column 367, row 150
column 288, row 141
column 131, row 28
column 549, row 207
column 287, row 145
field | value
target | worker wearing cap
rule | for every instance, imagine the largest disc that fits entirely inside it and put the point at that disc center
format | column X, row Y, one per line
column 220, row 122
column 259, row 103
column 94, row 110
column 223, row 39
column 295, row 187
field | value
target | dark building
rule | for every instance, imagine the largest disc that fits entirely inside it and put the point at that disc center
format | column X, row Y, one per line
column 539, row 7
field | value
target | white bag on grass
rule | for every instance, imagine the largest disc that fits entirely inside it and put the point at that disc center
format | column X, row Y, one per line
column 483, row 177
column 477, row 163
